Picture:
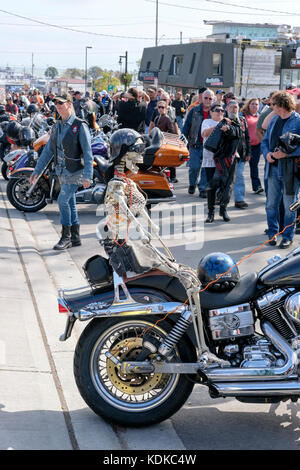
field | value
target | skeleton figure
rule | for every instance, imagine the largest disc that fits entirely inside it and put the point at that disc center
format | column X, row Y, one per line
column 124, row 202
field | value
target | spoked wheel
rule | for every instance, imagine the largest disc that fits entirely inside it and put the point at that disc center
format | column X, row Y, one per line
column 16, row 193
column 128, row 399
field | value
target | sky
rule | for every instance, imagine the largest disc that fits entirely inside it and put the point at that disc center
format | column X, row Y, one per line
column 57, row 32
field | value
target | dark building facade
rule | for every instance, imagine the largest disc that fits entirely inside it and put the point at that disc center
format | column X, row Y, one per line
column 290, row 65
column 189, row 66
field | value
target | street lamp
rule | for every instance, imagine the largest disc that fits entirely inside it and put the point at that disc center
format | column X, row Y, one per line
column 86, row 48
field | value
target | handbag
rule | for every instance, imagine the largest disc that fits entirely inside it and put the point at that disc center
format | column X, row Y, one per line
column 213, row 141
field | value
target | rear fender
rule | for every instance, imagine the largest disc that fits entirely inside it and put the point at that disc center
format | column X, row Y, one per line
column 71, row 305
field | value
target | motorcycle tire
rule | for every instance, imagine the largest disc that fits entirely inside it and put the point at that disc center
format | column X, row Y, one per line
column 4, row 170
column 132, row 400
column 16, row 189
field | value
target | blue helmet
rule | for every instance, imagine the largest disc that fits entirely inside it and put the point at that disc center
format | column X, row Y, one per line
column 212, row 266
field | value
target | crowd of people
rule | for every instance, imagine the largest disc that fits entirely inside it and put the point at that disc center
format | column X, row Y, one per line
column 224, row 134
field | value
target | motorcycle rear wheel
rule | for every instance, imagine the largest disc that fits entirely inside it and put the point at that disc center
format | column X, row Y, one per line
column 129, row 400
column 16, row 193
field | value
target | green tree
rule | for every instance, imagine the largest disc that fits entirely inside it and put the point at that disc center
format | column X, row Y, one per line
column 107, row 78
column 125, row 79
column 51, row 72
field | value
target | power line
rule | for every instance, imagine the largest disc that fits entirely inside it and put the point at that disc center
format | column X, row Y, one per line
column 254, row 8
column 222, row 11
column 78, row 30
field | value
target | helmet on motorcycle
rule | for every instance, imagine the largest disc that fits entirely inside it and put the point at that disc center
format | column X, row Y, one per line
column 123, row 141
column 212, row 266
column 32, row 108
column 26, row 136
column 13, row 130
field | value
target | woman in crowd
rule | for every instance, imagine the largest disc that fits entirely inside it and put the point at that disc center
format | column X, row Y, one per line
column 250, row 111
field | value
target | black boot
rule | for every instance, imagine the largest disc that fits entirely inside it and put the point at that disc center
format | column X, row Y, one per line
column 223, row 213
column 65, row 239
column 211, row 196
column 210, row 217
column 75, row 237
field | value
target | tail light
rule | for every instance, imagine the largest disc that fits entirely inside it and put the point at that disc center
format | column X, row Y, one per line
column 62, row 308
column 167, row 173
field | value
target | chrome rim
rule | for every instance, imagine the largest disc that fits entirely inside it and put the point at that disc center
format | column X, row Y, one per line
column 131, row 392
column 20, row 188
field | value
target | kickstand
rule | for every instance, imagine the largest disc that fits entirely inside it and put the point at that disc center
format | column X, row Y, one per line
column 119, row 283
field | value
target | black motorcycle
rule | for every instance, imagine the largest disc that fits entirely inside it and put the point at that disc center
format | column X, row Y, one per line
column 138, row 359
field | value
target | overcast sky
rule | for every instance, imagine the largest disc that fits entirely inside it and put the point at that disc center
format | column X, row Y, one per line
column 133, row 21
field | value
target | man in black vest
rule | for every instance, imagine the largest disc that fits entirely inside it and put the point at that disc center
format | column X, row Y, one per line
column 70, row 146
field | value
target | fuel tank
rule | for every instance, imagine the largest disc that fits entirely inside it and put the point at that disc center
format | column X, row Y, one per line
column 285, row 273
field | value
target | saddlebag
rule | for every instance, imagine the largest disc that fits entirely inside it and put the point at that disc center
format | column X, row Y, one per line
column 98, row 271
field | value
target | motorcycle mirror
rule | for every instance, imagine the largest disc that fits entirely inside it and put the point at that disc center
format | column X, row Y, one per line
column 295, row 205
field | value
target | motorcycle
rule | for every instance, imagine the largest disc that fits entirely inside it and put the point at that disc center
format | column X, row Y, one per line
column 135, row 364
column 163, row 150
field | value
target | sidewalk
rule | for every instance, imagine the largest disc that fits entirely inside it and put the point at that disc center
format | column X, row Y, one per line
column 40, row 406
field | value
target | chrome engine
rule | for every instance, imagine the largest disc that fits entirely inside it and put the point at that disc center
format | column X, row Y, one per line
column 231, row 322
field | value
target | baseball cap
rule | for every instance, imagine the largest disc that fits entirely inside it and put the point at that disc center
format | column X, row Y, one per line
column 220, row 91
column 290, row 85
column 63, row 97
column 229, row 95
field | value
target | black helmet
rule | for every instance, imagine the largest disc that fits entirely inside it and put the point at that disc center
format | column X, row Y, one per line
column 2, row 109
column 122, row 141
column 212, row 266
column 13, row 130
column 26, row 136
column 32, row 108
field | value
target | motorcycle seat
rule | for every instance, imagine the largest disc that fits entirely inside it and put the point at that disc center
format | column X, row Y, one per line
column 243, row 292
column 155, row 139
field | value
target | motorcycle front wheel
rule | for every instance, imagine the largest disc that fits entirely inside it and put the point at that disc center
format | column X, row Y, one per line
column 4, row 170
column 16, row 193
column 135, row 399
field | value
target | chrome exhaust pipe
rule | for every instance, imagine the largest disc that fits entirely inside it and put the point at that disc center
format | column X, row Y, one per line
column 266, row 389
column 260, row 374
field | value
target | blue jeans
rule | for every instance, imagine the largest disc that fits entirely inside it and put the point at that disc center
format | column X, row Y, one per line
column 276, row 191
column 239, row 188
column 179, row 120
column 67, row 205
column 195, row 162
column 253, row 163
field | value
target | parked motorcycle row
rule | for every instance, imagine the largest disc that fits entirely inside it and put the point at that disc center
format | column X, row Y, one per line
column 138, row 359
column 163, row 151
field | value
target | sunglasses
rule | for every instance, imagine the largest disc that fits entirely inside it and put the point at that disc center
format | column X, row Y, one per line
column 273, row 104
column 207, row 98
column 218, row 110
column 161, row 107
column 60, row 103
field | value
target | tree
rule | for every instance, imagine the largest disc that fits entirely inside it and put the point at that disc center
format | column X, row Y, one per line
column 108, row 78
column 73, row 73
column 95, row 72
column 126, row 78
column 51, row 72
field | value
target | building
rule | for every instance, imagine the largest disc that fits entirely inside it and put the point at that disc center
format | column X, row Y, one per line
column 189, row 66
column 254, row 31
column 290, row 65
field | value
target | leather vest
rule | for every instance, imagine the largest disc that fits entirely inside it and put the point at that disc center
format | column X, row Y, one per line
column 195, row 129
column 71, row 146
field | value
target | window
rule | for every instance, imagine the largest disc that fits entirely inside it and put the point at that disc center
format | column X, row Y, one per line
column 193, row 62
column 217, row 64
column 176, row 64
column 161, row 62
column 148, row 66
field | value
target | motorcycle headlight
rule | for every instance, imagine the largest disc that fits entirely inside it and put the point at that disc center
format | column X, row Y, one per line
column 292, row 306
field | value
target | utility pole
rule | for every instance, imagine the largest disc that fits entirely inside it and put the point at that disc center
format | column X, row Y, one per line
column 156, row 26
column 32, row 65
column 180, row 37
column 126, row 64
column 85, row 81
